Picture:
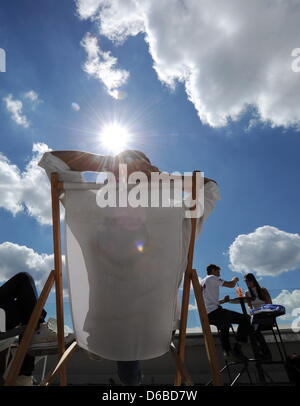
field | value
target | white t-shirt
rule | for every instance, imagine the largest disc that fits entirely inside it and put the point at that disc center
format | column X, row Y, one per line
column 211, row 287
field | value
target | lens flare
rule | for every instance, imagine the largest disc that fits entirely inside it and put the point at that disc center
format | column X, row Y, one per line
column 139, row 246
column 75, row 106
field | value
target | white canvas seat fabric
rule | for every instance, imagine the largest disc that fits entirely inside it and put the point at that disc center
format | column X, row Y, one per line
column 124, row 267
column 2, row 320
column 6, row 342
column 82, row 245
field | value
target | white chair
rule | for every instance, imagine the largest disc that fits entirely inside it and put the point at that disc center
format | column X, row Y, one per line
column 2, row 321
column 6, row 341
column 124, row 268
column 9, row 341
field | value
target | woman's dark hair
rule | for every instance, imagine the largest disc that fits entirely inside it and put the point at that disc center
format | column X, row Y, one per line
column 251, row 278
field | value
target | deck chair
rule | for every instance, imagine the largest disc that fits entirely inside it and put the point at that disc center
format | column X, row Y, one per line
column 123, row 269
column 7, row 340
column 7, row 337
column 9, row 345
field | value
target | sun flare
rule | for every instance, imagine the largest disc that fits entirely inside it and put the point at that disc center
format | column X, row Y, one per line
column 114, row 137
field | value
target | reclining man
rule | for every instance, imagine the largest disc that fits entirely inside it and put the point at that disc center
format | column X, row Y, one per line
column 222, row 318
column 64, row 162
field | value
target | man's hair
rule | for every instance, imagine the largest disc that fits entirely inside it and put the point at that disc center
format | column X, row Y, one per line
column 211, row 268
column 134, row 154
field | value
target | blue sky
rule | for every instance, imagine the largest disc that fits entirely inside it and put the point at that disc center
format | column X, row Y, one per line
column 254, row 157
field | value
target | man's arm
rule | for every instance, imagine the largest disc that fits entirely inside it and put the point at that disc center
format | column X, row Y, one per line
column 81, row 161
column 232, row 283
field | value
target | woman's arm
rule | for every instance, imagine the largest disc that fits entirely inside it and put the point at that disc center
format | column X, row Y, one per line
column 249, row 301
column 267, row 297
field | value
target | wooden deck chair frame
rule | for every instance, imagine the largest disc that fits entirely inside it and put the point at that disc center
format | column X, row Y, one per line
column 55, row 276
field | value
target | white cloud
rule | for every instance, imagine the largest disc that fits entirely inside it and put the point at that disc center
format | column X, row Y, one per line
column 36, row 194
column 10, row 196
column 28, row 190
column 229, row 54
column 16, row 258
column 101, row 65
column 88, row 8
column 32, row 95
column 15, row 108
column 267, row 251
column 290, row 300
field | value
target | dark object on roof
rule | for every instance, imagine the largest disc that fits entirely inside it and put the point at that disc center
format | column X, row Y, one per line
column 293, row 369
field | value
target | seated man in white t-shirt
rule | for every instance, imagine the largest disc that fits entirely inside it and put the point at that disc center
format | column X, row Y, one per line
column 71, row 163
column 223, row 318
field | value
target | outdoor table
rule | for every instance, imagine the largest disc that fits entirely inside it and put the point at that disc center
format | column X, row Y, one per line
column 240, row 300
column 258, row 363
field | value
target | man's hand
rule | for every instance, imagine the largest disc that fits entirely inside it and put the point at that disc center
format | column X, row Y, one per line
column 225, row 300
column 134, row 165
column 235, row 279
column 206, row 180
column 141, row 166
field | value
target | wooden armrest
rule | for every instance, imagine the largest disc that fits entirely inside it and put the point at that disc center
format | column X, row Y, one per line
column 12, row 332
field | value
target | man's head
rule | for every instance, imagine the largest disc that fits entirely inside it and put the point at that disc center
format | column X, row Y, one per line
column 213, row 269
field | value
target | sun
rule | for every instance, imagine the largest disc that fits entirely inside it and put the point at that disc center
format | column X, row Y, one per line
column 114, row 137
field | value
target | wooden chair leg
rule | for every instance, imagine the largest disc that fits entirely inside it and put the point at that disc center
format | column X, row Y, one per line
column 209, row 342
column 55, row 193
column 60, row 365
column 180, row 367
column 183, row 324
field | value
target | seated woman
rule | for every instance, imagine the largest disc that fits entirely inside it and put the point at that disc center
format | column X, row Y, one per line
column 258, row 296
